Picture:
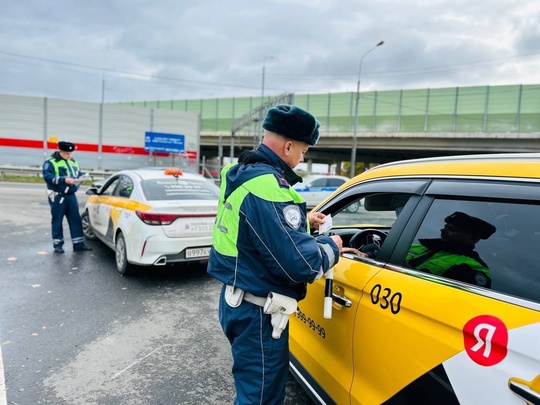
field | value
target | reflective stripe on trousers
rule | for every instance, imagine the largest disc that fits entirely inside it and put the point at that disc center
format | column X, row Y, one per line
column 261, row 363
column 68, row 206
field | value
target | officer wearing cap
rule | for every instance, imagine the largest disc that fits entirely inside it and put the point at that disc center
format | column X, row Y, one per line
column 453, row 255
column 61, row 173
column 263, row 253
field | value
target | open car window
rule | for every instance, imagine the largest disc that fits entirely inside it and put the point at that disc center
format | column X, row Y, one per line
column 109, row 188
column 125, row 187
column 374, row 210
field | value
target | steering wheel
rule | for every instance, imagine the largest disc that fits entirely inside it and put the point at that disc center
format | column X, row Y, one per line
column 367, row 236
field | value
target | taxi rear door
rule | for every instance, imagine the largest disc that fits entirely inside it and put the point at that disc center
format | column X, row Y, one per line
column 421, row 340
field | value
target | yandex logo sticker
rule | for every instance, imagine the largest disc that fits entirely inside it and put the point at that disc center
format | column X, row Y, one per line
column 486, row 340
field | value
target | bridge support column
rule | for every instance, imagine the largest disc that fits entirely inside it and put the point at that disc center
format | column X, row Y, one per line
column 338, row 168
column 310, row 166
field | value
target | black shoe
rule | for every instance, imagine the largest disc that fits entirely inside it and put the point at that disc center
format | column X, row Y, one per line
column 82, row 248
column 58, row 249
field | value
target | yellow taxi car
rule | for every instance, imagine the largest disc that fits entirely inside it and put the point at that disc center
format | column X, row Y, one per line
column 441, row 305
column 152, row 216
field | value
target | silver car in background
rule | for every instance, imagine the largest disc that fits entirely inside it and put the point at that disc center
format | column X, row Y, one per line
column 316, row 188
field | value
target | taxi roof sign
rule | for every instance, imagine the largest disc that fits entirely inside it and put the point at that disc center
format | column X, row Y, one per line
column 174, row 172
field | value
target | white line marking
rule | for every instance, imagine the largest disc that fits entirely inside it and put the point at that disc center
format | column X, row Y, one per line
column 3, row 398
column 135, row 362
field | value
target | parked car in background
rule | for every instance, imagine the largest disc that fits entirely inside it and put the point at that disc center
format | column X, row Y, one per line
column 152, row 216
column 401, row 333
column 315, row 188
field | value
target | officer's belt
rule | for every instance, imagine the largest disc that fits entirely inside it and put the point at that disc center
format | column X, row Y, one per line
column 278, row 306
column 58, row 193
column 260, row 301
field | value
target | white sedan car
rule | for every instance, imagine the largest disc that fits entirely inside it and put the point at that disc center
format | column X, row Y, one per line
column 315, row 188
column 152, row 216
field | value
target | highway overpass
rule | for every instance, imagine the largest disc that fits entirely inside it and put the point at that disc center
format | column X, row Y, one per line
column 375, row 147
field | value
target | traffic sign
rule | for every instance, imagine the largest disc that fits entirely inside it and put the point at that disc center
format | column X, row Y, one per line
column 160, row 142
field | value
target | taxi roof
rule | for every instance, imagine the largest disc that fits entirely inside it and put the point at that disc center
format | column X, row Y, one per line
column 157, row 172
column 522, row 165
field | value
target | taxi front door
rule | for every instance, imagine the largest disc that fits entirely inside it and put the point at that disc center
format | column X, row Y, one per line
column 331, row 339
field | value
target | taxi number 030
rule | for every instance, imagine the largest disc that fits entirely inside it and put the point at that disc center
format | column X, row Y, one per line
column 385, row 298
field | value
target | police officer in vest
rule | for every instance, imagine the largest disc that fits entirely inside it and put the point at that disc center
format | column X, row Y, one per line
column 264, row 255
column 61, row 173
column 453, row 255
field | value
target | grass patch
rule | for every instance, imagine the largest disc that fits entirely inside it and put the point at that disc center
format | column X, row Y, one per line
column 21, row 178
column 29, row 179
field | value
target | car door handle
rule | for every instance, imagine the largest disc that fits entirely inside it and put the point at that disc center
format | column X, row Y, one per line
column 528, row 391
column 341, row 300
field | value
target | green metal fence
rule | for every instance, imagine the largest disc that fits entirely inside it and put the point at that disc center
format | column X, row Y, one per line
column 490, row 109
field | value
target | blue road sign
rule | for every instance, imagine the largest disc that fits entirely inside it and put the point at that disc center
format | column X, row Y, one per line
column 160, row 142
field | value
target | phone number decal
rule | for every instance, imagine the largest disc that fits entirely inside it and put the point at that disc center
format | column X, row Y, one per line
column 314, row 326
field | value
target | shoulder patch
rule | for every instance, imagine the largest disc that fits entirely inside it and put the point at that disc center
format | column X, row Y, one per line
column 281, row 181
column 292, row 216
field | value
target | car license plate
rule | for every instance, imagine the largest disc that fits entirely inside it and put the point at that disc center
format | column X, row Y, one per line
column 198, row 252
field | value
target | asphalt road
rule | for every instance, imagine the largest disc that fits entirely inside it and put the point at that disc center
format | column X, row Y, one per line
column 73, row 331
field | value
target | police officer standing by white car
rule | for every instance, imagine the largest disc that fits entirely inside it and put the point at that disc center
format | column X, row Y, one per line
column 264, row 255
column 62, row 175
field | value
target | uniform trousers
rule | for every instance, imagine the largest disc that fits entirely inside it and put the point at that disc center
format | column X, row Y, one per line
column 68, row 206
column 260, row 362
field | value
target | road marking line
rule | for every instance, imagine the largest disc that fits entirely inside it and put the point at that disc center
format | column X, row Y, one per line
column 135, row 362
column 3, row 398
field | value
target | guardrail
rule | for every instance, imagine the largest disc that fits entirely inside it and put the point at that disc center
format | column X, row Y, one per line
column 29, row 171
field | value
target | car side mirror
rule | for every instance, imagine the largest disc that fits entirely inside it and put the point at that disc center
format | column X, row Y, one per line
column 92, row 191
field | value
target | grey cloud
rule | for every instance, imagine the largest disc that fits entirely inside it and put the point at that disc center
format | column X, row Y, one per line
column 216, row 48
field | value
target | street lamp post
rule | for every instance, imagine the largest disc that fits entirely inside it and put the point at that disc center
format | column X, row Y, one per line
column 100, row 135
column 355, row 133
column 262, row 93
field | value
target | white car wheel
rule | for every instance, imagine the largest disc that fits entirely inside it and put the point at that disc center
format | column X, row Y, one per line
column 122, row 264
column 87, row 229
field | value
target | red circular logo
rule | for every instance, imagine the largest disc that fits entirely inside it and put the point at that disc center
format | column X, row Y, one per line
column 486, row 340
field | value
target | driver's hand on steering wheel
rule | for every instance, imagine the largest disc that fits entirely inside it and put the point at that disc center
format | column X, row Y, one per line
column 342, row 249
column 353, row 251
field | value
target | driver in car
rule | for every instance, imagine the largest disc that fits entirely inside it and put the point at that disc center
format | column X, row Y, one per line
column 453, row 255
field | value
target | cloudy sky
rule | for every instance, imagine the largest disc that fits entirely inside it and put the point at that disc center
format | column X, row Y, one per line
column 176, row 49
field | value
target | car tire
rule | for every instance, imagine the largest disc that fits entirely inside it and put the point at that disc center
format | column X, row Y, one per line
column 86, row 227
column 352, row 208
column 120, row 255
